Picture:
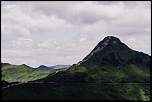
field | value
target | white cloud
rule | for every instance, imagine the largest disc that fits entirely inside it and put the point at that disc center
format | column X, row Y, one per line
column 25, row 22
column 55, row 32
column 132, row 40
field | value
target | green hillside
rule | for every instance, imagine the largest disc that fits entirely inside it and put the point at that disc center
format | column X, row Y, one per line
column 81, row 74
column 13, row 73
column 78, row 92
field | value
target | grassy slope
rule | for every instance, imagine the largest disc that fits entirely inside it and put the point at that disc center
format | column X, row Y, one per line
column 77, row 92
column 81, row 74
column 12, row 73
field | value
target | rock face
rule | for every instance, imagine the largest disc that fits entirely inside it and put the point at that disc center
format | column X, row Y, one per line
column 98, row 48
column 101, row 45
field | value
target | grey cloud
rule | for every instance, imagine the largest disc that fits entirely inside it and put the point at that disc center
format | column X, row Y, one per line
column 92, row 21
column 127, row 4
column 73, row 12
column 107, row 2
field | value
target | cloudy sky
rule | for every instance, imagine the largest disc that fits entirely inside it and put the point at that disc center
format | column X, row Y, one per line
column 51, row 32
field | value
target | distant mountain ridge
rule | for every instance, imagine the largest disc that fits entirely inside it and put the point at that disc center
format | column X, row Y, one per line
column 43, row 67
column 60, row 66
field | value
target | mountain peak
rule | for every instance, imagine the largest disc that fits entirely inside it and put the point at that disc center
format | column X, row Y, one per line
column 111, row 39
column 101, row 45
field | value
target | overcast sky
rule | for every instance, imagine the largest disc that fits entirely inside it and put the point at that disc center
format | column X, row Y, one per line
column 56, row 32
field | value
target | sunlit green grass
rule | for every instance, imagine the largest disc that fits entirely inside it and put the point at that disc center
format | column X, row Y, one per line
column 12, row 73
column 144, row 97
